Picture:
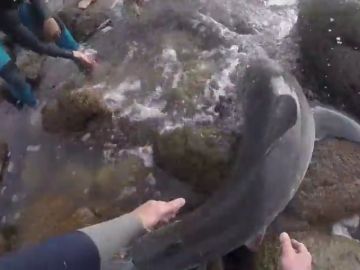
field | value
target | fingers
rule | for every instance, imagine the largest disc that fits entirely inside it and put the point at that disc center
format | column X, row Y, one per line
column 286, row 245
column 299, row 247
column 176, row 205
column 170, row 209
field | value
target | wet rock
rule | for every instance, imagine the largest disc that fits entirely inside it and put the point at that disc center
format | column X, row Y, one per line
column 199, row 156
column 74, row 111
column 329, row 252
column 4, row 158
column 331, row 188
column 120, row 179
column 73, row 178
column 46, row 217
column 83, row 23
column 84, row 215
column 330, row 40
column 49, row 216
column 30, row 64
column 3, row 245
column 186, row 95
column 8, row 238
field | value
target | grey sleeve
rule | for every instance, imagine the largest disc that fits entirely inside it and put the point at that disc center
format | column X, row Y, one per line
column 111, row 237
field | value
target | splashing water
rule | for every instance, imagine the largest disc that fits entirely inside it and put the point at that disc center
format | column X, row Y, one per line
column 171, row 67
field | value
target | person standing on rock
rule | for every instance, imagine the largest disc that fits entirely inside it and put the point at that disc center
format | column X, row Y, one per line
column 98, row 247
column 31, row 24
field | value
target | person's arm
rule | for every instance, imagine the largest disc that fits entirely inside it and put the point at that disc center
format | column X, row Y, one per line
column 42, row 9
column 95, row 247
column 11, row 25
column 71, row 252
column 113, row 236
column 90, row 248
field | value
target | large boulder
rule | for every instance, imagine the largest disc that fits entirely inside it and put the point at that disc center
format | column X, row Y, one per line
column 329, row 252
column 330, row 42
column 73, row 111
column 199, row 156
column 331, row 188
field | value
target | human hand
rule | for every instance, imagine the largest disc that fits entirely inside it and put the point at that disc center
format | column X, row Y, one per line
column 294, row 255
column 86, row 61
column 154, row 213
column 51, row 30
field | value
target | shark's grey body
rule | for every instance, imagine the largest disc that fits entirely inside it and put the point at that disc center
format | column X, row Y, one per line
column 278, row 143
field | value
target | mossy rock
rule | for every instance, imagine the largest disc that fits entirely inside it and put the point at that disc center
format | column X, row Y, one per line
column 73, row 111
column 198, row 156
column 185, row 96
column 268, row 256
column 113, row 179
column 48, row 216
column 331, row 186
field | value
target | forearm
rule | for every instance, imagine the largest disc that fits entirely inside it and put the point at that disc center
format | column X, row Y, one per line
column 27, row 39
column 114, row 236
column 11, row 25
column 93, row 248
column 72, row 251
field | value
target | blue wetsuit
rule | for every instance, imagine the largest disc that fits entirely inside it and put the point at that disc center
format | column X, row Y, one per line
column 98, row 247
column 23, row 22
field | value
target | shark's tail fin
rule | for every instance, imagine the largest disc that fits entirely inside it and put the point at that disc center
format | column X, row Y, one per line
column 334, row 124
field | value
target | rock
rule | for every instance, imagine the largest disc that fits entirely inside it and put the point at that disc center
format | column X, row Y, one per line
column 83, row 23
column 8, row 238
column 4, row 158
column 331, row 188
column 84, row 215
column 73, row 178
column 199, row 156
column 115, row 181
column 46, row 217
column 329, row 252
column 330, row 40
column 3, row 245
column 51, row 215
column 74, row 111
column 30, row 64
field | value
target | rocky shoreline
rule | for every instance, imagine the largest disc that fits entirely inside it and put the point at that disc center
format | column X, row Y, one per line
column 167, row 100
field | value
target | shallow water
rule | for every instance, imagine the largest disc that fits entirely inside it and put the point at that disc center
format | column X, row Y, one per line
column 174, row 72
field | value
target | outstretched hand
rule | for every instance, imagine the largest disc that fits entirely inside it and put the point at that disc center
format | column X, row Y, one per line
column 86, row 61
column 294, row 255
column 154, row 213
